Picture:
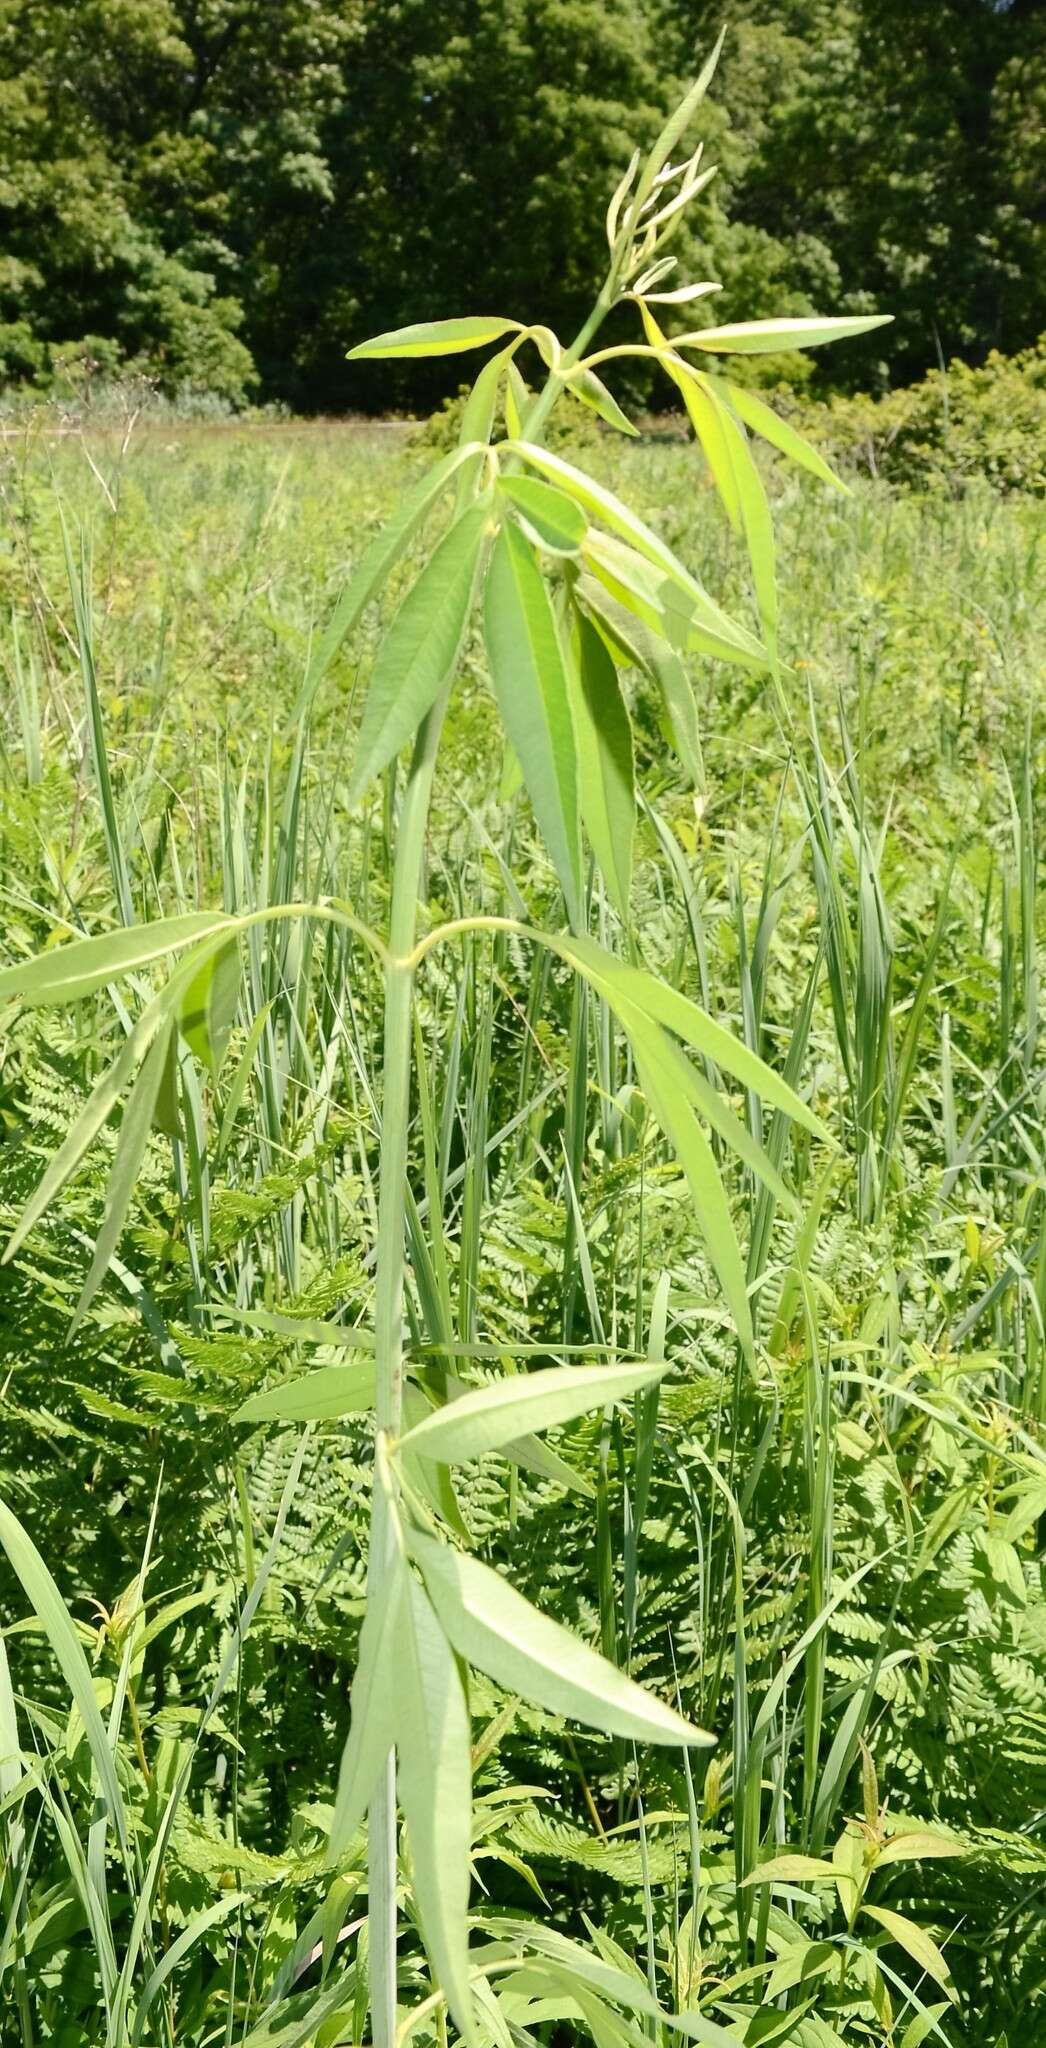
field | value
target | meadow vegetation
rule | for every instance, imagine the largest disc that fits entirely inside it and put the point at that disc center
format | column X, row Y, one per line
column 811, row 1523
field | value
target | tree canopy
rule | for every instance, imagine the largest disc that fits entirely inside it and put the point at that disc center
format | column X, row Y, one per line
column 226, row 196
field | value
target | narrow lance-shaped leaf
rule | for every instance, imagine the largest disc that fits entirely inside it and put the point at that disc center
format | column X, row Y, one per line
column 419, row 650
column 769, row 337
column 135, row 1127
column 591, row 391
column 706, row 419
column 435, row 1776
column 676, row 126
column 493, row 1627
column 710, row 1104
column 320, row 1396
column 518, row 401
column 764, row 421
column 377, row 562
column 208, row 1007
column 683, row 294
column 693, row 603
column 435, row 337
column 916, row 1943
column 96, row 1112
column 758, row 526
column 659, row 1080
column 631, row 643
column 429, row 1478
column 488, row 1418
column 789, row 1869
column 553, row 520
column 51, row 1612
column 477, row 424
column 606, row 767
column 657, row 999
column 526, row 664
column 66, row 973
column 375, row 1690
column 681, row 612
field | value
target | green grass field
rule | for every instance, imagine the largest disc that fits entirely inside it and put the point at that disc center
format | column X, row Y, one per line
column 833, row 1556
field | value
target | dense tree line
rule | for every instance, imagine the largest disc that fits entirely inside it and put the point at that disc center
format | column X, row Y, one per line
column 227, row 193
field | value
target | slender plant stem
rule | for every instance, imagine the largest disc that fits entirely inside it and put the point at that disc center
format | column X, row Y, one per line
column 407, row 878
column 400, row 967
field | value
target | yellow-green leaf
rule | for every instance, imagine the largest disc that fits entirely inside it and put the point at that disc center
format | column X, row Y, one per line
column 793, row 1870
column 769, row 337
column 435, row 337
column 763, row 420
column 590, row 389
column 315, row 1396
column 65, row 973
column 918, row 1944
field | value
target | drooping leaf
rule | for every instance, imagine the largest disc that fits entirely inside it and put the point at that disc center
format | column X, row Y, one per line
column 166, row 1117
column 378, row 561
column 135, row 1128
column 208, row 1007
column 531, row 1455
column 375, row 1695
column 315, row 1397
column 606, row 765
column 657, row 999
column 553, row 519
column 435, row 337
column 659, row 1079
column 591, row 391
column 431, row 1478
column 419, row 651
column 435, row 1778
column 758, row 526
column 916, row 1943
column 632, row 644
column 679, row 611
column 493, row 1627
column 96, row 1112
column 763, row 420
column 694, row 1087
column 527, row 668
column 53, row 1615
column 66, row 973
column 768, row 337
column 675, row 589
column 487, row 1418
column 707, row 421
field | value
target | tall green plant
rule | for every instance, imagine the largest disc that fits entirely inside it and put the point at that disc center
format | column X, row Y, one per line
column 573, row 588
